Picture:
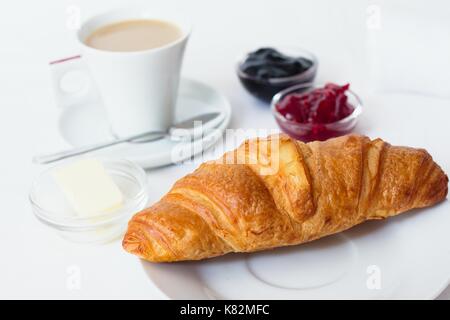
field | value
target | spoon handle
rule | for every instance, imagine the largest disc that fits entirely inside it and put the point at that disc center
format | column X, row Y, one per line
column 52, row 157
column 146, row 136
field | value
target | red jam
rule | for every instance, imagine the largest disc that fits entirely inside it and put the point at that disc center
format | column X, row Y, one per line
column 312, row 115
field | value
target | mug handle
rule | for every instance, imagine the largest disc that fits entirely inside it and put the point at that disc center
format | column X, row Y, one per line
column 72, row 82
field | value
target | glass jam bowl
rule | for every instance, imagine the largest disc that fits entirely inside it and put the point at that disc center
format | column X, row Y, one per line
column 315, row 131
column 51, row 208
column 265, row 89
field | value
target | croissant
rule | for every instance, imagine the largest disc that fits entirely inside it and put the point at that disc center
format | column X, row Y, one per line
column 277, row 191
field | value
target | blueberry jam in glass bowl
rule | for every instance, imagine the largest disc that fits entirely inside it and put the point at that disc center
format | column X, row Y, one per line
column 309, row 112
column 267, row 71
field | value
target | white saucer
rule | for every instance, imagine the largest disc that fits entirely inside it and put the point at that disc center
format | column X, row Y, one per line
column 86, row 124
column 344, row 266
column 408, row 254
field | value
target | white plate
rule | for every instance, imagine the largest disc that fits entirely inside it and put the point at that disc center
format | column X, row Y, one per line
column 194, row 98
column 408, row 254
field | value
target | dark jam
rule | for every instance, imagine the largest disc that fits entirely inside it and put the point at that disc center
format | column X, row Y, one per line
column 315, row 114
column 267, row 71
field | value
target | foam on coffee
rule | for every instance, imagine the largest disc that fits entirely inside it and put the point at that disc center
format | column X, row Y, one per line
column 134, row 35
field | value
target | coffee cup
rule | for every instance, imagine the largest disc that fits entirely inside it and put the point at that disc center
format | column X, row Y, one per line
column 131, row 61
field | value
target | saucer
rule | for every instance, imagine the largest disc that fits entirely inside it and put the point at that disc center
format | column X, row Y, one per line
column 403, row 257
column 87, row 124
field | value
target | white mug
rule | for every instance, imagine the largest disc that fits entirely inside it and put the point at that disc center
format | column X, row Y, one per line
column 137, row 89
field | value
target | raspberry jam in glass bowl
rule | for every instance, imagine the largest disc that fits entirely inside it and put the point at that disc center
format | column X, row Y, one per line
column 309, row 112
column 266, row 71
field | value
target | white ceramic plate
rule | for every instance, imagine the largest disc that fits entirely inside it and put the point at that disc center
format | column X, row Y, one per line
column 405, row 257
column 194, row 98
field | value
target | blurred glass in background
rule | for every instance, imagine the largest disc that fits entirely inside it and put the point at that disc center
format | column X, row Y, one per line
column 408, row 47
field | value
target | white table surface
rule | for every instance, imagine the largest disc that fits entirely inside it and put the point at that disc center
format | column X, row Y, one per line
column 35, row 262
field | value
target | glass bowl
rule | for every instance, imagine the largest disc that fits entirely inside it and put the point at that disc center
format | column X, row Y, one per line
column 308, row 131
column 51, row 208
column 267, row 88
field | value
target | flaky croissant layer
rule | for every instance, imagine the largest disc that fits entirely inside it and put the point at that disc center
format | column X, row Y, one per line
column 277, row 191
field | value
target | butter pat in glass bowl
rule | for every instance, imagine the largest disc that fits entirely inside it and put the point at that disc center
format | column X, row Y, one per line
column 51, row 206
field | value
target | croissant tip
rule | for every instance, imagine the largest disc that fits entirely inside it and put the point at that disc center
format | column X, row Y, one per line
column 136, row 243
column 438, row 187
column 131, row 243
column 446, row 185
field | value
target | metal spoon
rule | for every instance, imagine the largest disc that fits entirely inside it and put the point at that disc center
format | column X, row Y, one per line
column 142, row 137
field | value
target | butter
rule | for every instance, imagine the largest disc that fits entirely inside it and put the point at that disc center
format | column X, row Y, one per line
column 88, row 188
